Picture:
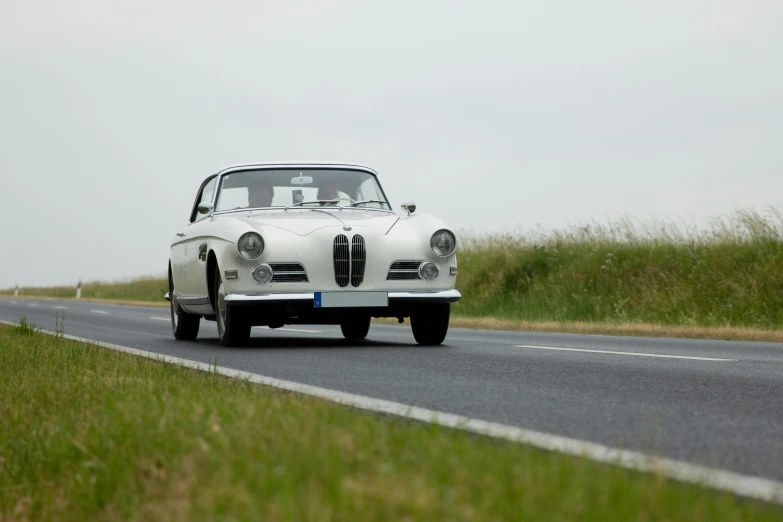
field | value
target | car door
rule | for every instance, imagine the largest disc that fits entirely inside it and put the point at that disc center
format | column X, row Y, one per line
column 189, row 250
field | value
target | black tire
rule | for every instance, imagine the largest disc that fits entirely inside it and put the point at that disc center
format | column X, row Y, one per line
column 231, row 329
column 355, row 328
column 184, row 325
column 431, row 323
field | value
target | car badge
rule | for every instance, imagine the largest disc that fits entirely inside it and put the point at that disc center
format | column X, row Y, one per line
column 346, row 228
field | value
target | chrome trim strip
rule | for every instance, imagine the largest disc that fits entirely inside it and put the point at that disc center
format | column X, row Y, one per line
column 271, row 297
column 305, row 296
column 438, row 294
column 277, row 166
column 192, row 301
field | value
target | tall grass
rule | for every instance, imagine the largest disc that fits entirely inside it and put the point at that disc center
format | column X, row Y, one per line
column 729, row 274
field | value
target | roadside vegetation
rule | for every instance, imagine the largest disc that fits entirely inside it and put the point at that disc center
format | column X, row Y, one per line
column 87, row 433
column 729, row 275
column 142, row 289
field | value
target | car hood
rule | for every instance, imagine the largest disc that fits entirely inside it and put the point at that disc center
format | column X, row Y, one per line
column 304, row 222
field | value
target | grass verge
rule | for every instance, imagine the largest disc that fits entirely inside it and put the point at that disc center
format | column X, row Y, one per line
column 123, row 302
column 88, row 433
column 141, row 290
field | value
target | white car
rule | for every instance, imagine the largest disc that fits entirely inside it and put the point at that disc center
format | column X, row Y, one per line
column 279, row 244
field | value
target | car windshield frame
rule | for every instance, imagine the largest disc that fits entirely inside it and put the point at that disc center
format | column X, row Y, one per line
column 300, row 168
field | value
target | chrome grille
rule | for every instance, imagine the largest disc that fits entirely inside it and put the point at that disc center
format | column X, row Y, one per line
column 404, row 270
column 342, row 256
column 288, row 273
column 358, row 260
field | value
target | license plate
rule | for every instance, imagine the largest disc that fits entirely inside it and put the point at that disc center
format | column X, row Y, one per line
column 350, row 299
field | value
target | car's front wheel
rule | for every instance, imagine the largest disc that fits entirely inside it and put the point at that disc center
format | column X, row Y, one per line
column 431, row 323
column 355, row 328
column 184, row 325
column 231, row 329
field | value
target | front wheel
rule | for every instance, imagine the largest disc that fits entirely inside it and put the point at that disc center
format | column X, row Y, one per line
column 231, row 329
column 355, row 328
column 184, row 325
column 431, row 323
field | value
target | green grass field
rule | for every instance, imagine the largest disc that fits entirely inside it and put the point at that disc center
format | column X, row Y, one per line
column 627, row 272
column 730, row 275
column 87, row 433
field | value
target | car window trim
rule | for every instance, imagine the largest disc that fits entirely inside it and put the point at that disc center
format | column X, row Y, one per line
column 313, row 166
column 194, row 211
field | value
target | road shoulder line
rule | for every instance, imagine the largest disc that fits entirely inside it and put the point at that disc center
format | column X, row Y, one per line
column 612, row 352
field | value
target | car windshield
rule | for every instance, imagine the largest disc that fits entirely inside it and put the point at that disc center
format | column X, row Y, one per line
column 322, row 188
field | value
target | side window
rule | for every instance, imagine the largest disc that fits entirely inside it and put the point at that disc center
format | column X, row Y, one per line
column 206, row 197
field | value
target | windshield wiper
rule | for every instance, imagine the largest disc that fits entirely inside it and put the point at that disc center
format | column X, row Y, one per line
column 355, row 203
column 321, row 201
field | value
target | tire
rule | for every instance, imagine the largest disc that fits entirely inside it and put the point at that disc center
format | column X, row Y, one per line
column 231, row 329
column 431, row 323
column 355, row 328
column 184, row 325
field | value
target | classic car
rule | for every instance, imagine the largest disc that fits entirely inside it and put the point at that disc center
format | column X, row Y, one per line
column 279, row 244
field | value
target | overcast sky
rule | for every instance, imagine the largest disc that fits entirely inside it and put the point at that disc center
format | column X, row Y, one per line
column 491, row 115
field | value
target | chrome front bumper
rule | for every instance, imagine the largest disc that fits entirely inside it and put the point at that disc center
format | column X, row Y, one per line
column 421, row 297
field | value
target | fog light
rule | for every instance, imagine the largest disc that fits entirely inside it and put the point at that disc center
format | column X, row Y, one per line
column 428, row 270
column 263, row 273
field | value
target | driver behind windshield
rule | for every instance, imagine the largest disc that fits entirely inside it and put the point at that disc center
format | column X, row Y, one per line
column 260, row 194
column 328, row 192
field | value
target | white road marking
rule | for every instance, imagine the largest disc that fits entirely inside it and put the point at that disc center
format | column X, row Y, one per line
column 622, row 353
column 60, row 307
column 104, row 312
column 13, row 302
column 32, row 305
column 288, row 329
column 746, row 485
column 160, row 318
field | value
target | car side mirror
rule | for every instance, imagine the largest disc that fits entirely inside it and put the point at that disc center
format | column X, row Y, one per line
column 410, row 207
column 205, row 208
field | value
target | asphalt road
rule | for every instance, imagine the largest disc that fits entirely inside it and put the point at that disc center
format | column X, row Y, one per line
column 713, row 403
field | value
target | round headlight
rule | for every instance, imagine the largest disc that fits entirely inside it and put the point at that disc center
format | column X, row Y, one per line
column 428, row 270
column 250, row 245
column 443, row 243
column 263, row 273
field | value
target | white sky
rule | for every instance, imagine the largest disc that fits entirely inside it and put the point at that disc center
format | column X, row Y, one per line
column 490, row 115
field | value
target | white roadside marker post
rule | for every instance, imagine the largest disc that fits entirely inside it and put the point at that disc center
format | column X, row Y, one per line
column 16, row 291
column 79, row 290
